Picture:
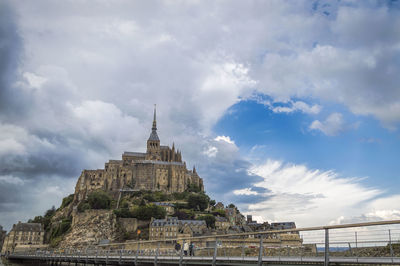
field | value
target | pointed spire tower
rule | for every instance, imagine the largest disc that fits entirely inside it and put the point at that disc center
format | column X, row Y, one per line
column 153, row 143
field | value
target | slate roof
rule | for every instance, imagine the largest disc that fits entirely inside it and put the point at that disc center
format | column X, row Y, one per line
column 154, row 136
column 174, row 221
column 138, row 154
column 28, row 227
column 220, row 219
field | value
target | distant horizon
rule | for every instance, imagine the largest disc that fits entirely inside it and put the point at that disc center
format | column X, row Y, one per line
column 287, row 110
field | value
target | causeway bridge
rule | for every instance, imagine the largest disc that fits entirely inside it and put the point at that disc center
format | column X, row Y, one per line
column 373, row 243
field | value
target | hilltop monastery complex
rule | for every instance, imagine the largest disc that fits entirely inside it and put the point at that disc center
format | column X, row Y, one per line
column 160, row 168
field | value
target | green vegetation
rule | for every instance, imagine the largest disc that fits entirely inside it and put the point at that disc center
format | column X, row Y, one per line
column 180, row 195
column 193, row 188
column 143, row 212
column 198, row 201
column 210, row 220
column 61, row 228
column 218, row 213
column 83, row 206
column 184, row 214
column 148, row 211
column 212, row 203
column 99, row 200
column 44, row 220
column 66, row 201
column 96, row 200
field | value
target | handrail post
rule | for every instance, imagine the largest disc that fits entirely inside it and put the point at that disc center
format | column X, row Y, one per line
column 260, row 251
column 107, row 256
column 355, row 235
column 214, row 262
column 326, row 247
column 181, row 255
column 390, row 245
column 137, row 253
column 120, row 256
column 156, row 256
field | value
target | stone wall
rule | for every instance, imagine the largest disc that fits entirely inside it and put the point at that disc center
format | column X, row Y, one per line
column 129, row 224
column 89, row 227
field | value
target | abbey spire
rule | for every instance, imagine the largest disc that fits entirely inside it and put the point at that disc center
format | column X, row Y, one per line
column 153, row 143
column 154, row 135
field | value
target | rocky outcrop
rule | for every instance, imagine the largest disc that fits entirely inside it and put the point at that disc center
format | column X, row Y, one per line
column 89, row 228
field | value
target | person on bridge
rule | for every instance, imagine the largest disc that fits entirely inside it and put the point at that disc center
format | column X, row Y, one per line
column 185, row 248
column 177, row 247
column 191, row 249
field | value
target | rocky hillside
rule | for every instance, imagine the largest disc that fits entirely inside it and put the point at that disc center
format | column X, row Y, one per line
column 100, row 215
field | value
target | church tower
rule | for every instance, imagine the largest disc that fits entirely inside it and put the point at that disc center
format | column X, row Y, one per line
column 153, row 143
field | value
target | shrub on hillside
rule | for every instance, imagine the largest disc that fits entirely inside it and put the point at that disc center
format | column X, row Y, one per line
column 99, row 200
column 148, row 211
column 210, row 220
column 193, row 188
column 83, row 206
column 184, row 214
column 219, row 213
column 180, row 195
column 123, row 213
column 198, row 201
column 66, row 201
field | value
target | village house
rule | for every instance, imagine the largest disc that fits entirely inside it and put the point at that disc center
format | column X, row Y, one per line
column 171, row 228
column 221, row 223
column 23, row 234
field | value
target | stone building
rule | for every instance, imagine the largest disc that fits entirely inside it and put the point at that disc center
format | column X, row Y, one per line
column 2, row 235
column 283, row 225
column 160, row 168
column 23, row 234
column 219, row 206
column 171, row 228
column 221, row 223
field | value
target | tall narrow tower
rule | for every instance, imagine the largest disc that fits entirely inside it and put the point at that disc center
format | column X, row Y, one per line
column 153, row 143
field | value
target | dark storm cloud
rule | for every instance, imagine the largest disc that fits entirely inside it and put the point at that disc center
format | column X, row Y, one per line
column 10, row 54
column 222, row 178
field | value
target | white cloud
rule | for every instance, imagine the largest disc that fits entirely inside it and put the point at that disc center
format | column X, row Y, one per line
column 224, row 138
column 297, row 193
column 211, row 151
column 332, row 126
column 245, row 191
column 34, row 80
column 101, row 67
column 296, row 106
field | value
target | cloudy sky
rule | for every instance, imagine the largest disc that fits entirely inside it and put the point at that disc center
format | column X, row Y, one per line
column 288, row 109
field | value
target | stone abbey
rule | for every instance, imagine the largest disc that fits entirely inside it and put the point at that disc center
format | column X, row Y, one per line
column 160, row 168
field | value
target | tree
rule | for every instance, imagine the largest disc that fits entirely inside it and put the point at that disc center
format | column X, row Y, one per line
column 212, row 202
column 231, row 206
column 148, row 211
column 210, row 220
column 198, row 201
column 50, row 212
column 184, row 214
column 193, row 188
column 67, row 200
column 99, row 200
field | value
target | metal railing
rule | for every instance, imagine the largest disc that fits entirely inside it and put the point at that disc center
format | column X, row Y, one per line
column 372, row 242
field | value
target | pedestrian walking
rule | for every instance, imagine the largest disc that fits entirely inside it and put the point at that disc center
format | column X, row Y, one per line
column 186, row 248
column 191, row 249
